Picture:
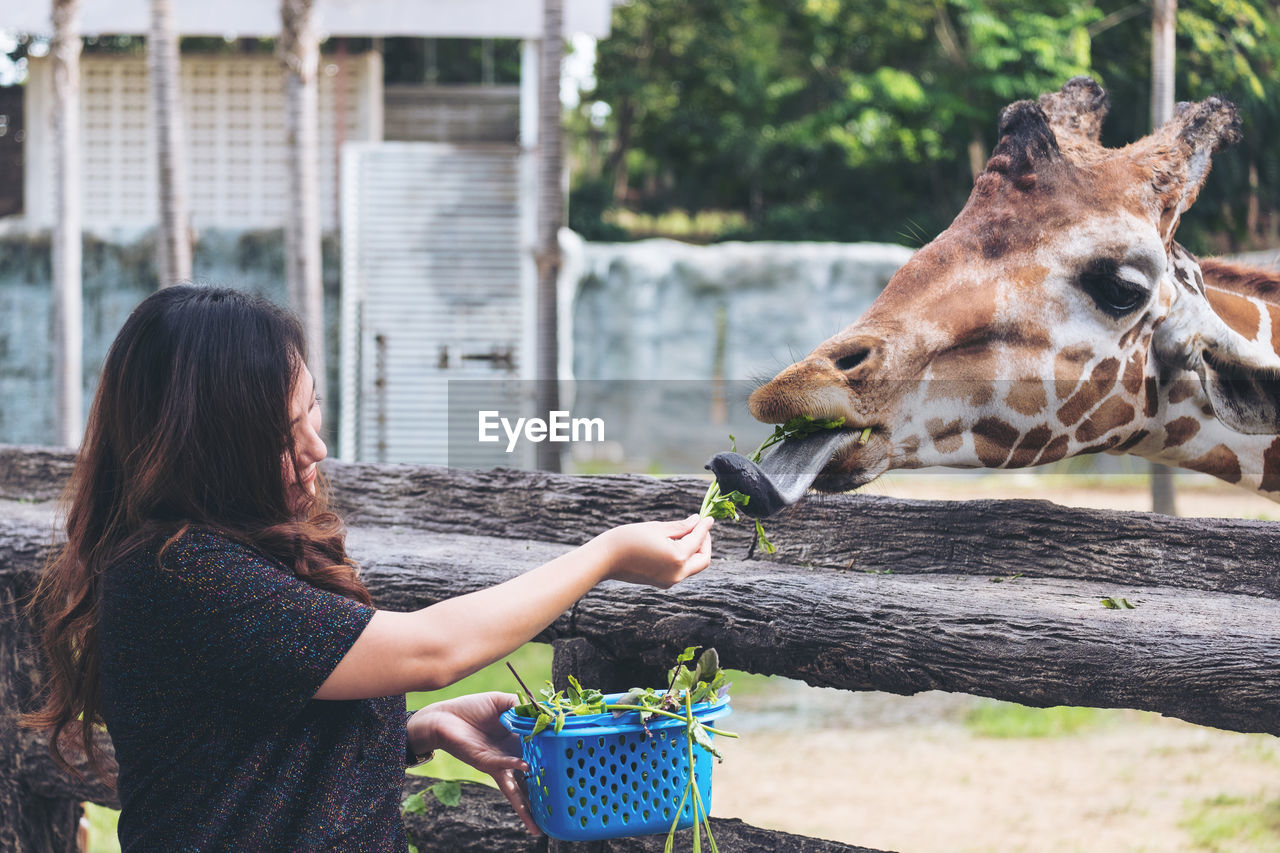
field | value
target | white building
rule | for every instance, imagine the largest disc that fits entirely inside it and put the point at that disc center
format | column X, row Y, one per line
column 433, row 188
column 233, row 109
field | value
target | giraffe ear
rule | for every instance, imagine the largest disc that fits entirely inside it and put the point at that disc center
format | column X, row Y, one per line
column 1240, row 377
column 1180, row 153
column 1076, row 112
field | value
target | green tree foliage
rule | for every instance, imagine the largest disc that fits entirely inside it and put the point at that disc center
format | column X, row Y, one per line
column 1229, row 48
column 865, row 119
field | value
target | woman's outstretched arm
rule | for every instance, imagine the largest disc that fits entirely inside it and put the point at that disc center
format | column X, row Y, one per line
column 438, row 645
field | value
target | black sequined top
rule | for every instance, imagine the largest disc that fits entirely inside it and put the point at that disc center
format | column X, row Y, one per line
column 209, row 662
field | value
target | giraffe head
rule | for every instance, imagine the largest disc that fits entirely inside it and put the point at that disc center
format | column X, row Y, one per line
column 1055, row 316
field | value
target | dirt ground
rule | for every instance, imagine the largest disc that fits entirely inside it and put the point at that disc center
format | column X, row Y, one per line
column 1135, row 782
column 1197, row 495
column 907, row 774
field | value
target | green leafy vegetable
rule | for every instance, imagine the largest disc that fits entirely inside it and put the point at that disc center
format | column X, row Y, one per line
column 1118, row 604
column 413, row 804
column 717, row 505
column 448, row 792
column 763, row 541
column 725, row 506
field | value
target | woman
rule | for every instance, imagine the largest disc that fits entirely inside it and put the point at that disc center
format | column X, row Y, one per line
column 205, row 608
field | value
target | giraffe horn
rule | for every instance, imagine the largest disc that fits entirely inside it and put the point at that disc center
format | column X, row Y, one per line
column 1211, row 124
column 1026, row 140
column 1077, row 110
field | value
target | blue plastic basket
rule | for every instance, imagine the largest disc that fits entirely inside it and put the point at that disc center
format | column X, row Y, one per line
column 604, row 777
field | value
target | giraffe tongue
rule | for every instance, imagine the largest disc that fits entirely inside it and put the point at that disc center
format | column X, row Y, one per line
column 782, row 477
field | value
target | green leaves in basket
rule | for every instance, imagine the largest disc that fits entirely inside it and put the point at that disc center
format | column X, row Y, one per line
column 699, row 735
column 687, row 686
column 640, row 697
column 584, row 701
column 705, row 682
column 557, row 704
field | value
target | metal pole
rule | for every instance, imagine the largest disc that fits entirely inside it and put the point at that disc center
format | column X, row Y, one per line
column 299, row 49
column 173, row 233
column 550, row 218
column 1163, row 13
column 68, row 331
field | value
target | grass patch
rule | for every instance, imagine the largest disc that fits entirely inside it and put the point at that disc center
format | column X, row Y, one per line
column 750, row 684
column 699, row 227
column 532, row 661
column 1230, row 822
column 996, row 719
column 102, row 829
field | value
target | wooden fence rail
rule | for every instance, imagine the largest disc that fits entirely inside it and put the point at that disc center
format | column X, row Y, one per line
column 865, row 593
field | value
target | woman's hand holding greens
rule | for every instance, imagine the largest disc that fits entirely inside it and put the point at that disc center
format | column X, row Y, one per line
column 658, row 553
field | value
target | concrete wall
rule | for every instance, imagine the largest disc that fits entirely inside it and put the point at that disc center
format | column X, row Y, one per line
column 116, row 278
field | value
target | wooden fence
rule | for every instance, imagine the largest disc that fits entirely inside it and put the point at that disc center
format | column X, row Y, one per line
column 993, row 598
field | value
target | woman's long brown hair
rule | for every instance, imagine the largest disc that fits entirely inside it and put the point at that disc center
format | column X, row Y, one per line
column 189, row 426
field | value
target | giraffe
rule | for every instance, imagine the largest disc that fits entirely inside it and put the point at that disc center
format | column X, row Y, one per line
column 1055, row 316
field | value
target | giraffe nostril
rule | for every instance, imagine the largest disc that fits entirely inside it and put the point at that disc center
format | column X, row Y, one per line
column 853, row 359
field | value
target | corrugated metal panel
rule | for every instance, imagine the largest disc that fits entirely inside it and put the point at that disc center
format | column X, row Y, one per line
column 431, row 290
column 422, row 113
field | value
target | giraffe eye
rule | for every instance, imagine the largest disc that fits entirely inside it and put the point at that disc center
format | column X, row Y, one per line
column 1110, row 292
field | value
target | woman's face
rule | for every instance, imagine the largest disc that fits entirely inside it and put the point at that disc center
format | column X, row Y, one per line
column 308, row 447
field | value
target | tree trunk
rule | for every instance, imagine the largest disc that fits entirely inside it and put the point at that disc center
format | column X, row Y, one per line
column 482, row 822
column 977, row 151
column 31, row 821
column 1253, row 234
column 173, row 240
column 615, row 165
column 1163, row 494
column 67, row 311
column 550, row 219
column 951, row 46
column 300, row 51
column 859, row 533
